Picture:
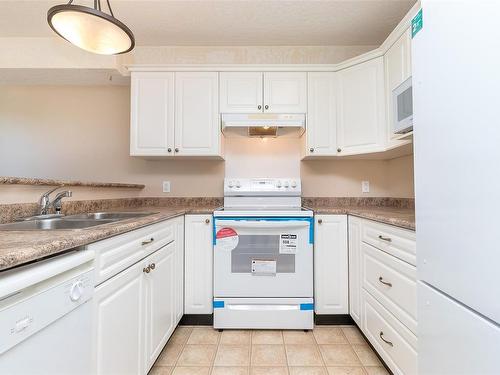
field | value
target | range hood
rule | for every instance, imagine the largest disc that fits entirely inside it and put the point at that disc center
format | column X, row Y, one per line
column 263, row 125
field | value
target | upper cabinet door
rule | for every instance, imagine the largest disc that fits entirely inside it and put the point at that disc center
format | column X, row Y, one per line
column 285, row 92
column 397, row 64
column 241, row 92
column 197, row 128
column 321, row 114
column 361, row 125
column 152, row 114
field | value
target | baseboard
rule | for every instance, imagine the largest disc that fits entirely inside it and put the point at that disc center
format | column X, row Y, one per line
column 197, row 320
column 340, row 319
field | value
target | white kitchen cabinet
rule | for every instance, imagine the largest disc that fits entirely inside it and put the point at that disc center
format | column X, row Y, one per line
column 331, row 265
column 179, row 268
column 198, row 290
column 160, row 304
column 355, row 281
column 285, row 92
column 118, row 322
column 152, row 114
column 197, row 127
column 321, row 132
column 397, row 65
column 361, row 125
column 241, row 92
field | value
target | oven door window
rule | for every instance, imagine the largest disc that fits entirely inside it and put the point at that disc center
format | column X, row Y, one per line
column 260, row 254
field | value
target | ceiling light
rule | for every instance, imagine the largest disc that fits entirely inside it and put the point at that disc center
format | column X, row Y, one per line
column 91, row 28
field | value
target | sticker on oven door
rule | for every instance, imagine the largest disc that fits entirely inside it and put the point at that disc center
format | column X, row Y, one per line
column 263, row 267
column 288, row 244
column 226, row 239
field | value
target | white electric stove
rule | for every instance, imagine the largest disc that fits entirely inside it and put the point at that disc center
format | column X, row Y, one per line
column 263, row 256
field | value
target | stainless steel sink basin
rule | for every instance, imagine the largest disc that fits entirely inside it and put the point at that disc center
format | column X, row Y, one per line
column 53, row 224
column 108, row 215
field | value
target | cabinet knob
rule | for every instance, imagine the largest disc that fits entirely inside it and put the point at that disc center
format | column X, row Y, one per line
column 311, row 149
column 146, row 269
column 339, row 150
column 176, row 149
column 320, row 221
column 152, row 266
column 259, row 107
column 266, row 107
column 169, row 149
column 207, row 221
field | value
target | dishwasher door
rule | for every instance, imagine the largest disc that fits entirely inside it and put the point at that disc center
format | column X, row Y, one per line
column 45, row 328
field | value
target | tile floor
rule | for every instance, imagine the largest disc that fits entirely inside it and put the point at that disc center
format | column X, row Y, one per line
column 327, row 350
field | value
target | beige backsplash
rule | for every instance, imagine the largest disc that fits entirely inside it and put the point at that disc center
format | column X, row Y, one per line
column 82, row 133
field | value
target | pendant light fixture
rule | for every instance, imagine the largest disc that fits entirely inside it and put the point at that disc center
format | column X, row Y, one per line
column 91, row 28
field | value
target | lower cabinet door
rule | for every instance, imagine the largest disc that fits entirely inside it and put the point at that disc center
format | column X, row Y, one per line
column 118, row 323
column 355, row 269
column 179, row 269
column 160, row 301
column 330, row 265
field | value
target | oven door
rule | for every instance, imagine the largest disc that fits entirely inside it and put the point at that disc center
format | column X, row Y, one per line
column 263, row 257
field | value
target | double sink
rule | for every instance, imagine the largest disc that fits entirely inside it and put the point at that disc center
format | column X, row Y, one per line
column 79, row 221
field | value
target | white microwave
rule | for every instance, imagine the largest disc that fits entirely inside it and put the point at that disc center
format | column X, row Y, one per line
column 402, row 103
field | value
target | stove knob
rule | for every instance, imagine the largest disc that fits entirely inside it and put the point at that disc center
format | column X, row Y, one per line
column 230, row 184
column 76, row 291
column 238, row 185
column 294, row 184
column 278, row 184
column 286, row 184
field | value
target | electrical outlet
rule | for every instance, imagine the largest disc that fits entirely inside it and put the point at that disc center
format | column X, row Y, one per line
column 166, row 186
column 365, row 186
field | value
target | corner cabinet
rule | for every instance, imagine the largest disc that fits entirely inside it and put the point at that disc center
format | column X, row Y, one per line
column 175, row 114
column 331, row 265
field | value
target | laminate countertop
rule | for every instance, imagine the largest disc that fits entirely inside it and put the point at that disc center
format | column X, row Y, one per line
column 20, row 247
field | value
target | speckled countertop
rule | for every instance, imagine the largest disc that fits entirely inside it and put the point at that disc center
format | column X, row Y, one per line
column 20, row 247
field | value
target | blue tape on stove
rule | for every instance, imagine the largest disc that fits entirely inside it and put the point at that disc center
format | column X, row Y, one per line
column 307, row 306
column 218, row 304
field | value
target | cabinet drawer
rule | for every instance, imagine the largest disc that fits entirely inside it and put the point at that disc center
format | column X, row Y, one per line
column 392, row 282
column 117, row 253
column 396, row 241
column 399, row 350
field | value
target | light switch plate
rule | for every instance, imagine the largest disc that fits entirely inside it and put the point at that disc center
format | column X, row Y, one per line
column 166, row 186
column 365, row 186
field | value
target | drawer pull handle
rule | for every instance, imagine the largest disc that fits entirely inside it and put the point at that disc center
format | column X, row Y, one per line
column 146, row 269
column 381, row 334
column 388, row 239
column 381, row 279
column 148, row 241
column 152, row 266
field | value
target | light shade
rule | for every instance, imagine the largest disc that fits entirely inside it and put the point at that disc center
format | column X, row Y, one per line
column 91, row 29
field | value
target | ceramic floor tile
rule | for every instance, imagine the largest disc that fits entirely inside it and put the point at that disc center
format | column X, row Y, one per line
column 353, row 335
column 197, row 355
column 339, row 355
column 205, row 335
column 329, row 335
column 233, row 355
column 180, row 335
column 267, row 337
column 366, row 355
column 298, row 337
column 346, row 371
column 228, row 370
column 191, row 371
column 376, row 370
column 161, row 370
column 268, row 355
column 303, row 355
column 268, row 370
column 235, row 337
column 169, row 355
column 307, row 370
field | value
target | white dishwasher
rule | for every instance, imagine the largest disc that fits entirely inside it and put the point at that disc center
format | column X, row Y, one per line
column 46, row 317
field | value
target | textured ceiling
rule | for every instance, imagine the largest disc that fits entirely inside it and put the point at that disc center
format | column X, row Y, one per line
column 229, row 22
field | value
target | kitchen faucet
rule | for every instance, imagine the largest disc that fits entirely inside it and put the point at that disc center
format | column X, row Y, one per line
column 44, row 202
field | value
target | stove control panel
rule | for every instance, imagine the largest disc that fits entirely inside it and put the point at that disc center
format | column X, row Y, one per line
column 262, row 186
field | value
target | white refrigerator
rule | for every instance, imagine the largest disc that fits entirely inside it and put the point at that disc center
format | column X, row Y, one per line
column 456, row 91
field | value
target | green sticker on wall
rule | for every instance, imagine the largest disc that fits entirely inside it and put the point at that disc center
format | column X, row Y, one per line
column 416, row 24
